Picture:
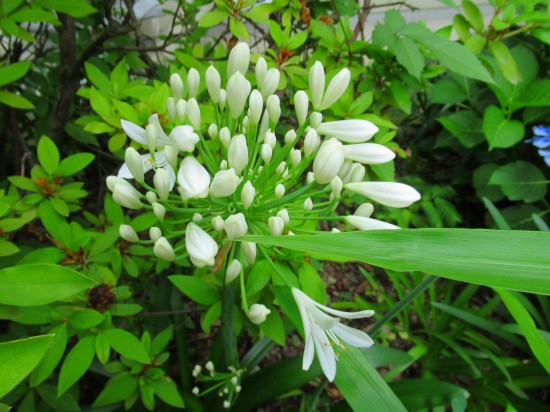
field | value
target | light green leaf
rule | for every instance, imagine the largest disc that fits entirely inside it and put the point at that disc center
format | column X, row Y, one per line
column 408, row 55
column 213, row 18
column 48, row 155
column 40, row 284
column 534, row 338
column 311, row 283
column 12, row 72
column 361, row 384
column 118, row 388
column 76, row 363
column 18, row 358
column 196, row 289
column 258, row 277
column 514, row 260
column 273, row 326
column 466, row 126
column 505, row 61
column 52, row 357
column 167, row 390
column 474, row 15
column 499, row 131
column 127, row 345
column 74, row 8
column 85, row 319
column 15, row 100
column 75, row 163
column 7, row 248
column 521, row 181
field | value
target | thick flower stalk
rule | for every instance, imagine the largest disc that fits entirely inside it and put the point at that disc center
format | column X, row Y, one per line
column 250, row 173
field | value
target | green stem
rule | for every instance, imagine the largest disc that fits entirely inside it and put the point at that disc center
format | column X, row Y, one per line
column 227, row 326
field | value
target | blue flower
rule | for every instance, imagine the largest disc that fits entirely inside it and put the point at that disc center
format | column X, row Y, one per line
column 541, row 140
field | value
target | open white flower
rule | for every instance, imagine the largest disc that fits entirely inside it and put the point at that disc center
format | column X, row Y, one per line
column 324, row 333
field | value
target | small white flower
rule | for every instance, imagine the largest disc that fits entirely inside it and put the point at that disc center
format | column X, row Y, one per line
column 273, row 106
column 171, row 108
column 281, row 168
column 367, row 223
column 270, row 139
column 127, row 196
column 196, row 391
column 336, row 186
column 238, row 60
column 217, row 223
column 225, row 137
column 193, row 178
column 197, row 217
column 155, row 234
column 194, row 113
column 323, row 333
column 222, row 99
column 336, row 88
column 388, row 193
column 247, row 195
column 311, row 142
column 209, row 366
column 279, row 190
column 249, row 250
column 238, row 89
column 159, row 211
column 256, row 105
column 201, row 247
column 148, row 163
column 193, row 82
column 290, row 137
column 233, row 270
column 128, row 233
column 317, row 84
column 276, row 225
column 283, row 214
column 261, row 70
column 181, row 110
column 267, row 153
column 213, row 131
column 257, row 313
column 315, row 119
column 364, row 210
column 213, row 83
column 349, row 131
column 368, row 153
column 328, row 161
column 295, row 157
column 308, row 204
column 357, row 173
column 225, row 183
column 163, row 250
column 151, row 197
column 310, row 178
column 237, row 154
column 134, row 164
column 270, row 83
column 301, row 103
column 235, row 226
column 177, row 86
column 161, row 180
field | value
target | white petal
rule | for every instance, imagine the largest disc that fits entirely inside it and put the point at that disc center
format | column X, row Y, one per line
column 352, row 336
column 162, row 139
column 134, row 132
column 325, row 353
column 309, row 351
column 350, row 131
column 298, row 297
column 388, row 193
column 366, row 223
column 184, row 138
column 368, row 153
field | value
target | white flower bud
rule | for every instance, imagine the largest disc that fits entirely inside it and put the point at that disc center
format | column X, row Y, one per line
column 276, row 225
column 238, row 59
column 113, row 181
column 365, row 210
column 163, row 250
column 270, row 139
column 301, row 103
column 177, row 86
column 159, row 211
column 273, row 106
column 285, row 174
column 127, row 196
column 222, row 99
column 151, row 197
column 194, row 113
column 193, row 82
column 196, row 390
column 334, row 230
column 234, row 380
column 311, row 142
column 256, row 104
column 317, row 84
column 308, row 204
column 349, row 131
column 270, row 83
column 134, row 164
column 152, row 136
column 209, row 366
column 336, row 88
column 336, row 186
column 283, row 214
column 343, row 173
column 171, row 155
column 161, row 181
column 261, row 70
column 237, row 154
column 387, row 193
column 197, row 217
column 267, row 153
column 249, row 250
column 366, row 223
column 368, row 153
column 181, row 110
column 315, row 119
column 245, row 124
column 171, row 108
column 225, row 136
column 128, row 233
column 279, row 190
column 155, row 234
column 226, row 404
column 193, row 178
column 213, row 131
column 295, row 157
column 235, row 226
column 217, row 223
column 213, row 83
column 281, row 168
column 238, row 89
column 233, row 270
column 290, row 137
column 328, row 161
column 310, row 178
column 201, row 247
column 223, row 164
column 257, row 313
column 247, row 195
column 356, row 173
column 225, row 183
column 238, row 388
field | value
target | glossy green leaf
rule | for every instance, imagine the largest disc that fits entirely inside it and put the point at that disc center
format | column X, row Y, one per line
column 127, row 345
column 117, row 389
column 52, row 357
column 40, row 284
column 500, row 131
column 15, row 100
column 76, row 363
column 18, row 358
column 521, row 181
column 419, row 394
column 508, row 259
column 48, row 154
column 196, row 289
column 75, row 163
column 12, row 72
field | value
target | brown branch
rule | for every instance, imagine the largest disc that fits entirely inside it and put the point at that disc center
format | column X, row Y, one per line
column 361, row 22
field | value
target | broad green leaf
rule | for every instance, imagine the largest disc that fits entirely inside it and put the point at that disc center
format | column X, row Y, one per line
column 447, row 91
column 23, row 183
column 258, row 277
column 514, row 260
column 75, row 163
column 273, row 326
column 534, row 338
column 100, row 103
column 238, row 29
column 311, row 283
column 474, row 15
column 12, row 72
column 167, row 390
column 74, row 8
column 7, row 248
column 505, row 61
column 127, row 345
column 60, row 206
column 408, row 55
column 276, row 33
column 85, row 319
column 102, row 348
column 466, row 126
column 417, row 394
column 361, row 384
column 40, row 284
column 500, row 131
column 76, row 363
column 15, row 100
column 18, row 358
column 521, row 181
column 480, row 180
column 98, row 78
column 118, row 388
column 48, row 155
column 52, row 357
column 66, row 402
column 196, row 289
column 212, row 18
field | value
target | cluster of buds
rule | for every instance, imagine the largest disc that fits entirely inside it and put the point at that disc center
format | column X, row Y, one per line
column 241, row 177
column 226, row 384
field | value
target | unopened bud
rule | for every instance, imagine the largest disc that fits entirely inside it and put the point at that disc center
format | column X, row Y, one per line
column 171, row 108
column 301, row 103
column 128, row 233
column 267, row 153
column 279, row 191
column 308, row 204
column 159, row 211
column 276, row 225
column 163, row 250
column 213, row 83
column 247, row 195
column 134, row 164
column 155, row 234
column 217, row 223
column 194, row 113
column 177, row 86
column 161, row 180
column 257, row 313
column 233, row 270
